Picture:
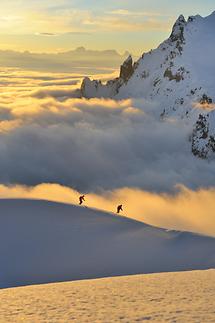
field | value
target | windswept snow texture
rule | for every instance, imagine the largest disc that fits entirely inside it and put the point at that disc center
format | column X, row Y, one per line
column 170, row 297
column 43, row 242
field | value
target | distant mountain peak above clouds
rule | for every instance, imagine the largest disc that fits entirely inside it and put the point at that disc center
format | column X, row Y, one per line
column 179, row 75
column 80, row 49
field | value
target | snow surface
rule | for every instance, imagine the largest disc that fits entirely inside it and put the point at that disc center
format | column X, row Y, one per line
column 170, row 297
column 43, row 241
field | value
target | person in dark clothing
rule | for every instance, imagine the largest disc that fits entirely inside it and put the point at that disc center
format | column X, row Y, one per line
column 81, row 199
column 119, row 208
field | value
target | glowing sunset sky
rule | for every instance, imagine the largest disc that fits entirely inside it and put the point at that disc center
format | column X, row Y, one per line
column 134, row 25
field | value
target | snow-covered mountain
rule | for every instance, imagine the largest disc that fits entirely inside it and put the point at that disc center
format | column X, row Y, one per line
column 44, row 242
column 179, row 76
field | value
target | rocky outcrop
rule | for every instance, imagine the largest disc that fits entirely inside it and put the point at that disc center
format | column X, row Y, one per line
column 205, row 100
column 203, row 137
column 177, row 77
column 126, row 69
column 178, row 29
column 96, row 88
column 177, row 34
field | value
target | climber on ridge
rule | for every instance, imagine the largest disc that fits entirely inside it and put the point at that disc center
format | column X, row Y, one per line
column 119, row 208
column 81, row 199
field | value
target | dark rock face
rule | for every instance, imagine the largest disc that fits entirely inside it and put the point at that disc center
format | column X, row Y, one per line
column 127, row 69
column 203, row 139
column 178, row 30
column 177, row 34
column 200, row 133
column 205, row 99
column 177, row 77
column 83, row 84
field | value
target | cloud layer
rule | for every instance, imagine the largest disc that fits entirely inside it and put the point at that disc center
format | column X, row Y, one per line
column 92, row 145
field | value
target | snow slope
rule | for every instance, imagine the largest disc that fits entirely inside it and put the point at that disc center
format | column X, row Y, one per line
column 170, row 297
column 179, row 76
column 44, row 242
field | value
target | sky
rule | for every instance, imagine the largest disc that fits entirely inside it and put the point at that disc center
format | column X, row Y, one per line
column 61, row 25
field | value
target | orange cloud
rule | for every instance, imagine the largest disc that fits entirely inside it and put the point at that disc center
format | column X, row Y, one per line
column 9, row 125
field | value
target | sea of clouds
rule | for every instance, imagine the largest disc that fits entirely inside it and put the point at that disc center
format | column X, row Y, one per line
column 96, row 146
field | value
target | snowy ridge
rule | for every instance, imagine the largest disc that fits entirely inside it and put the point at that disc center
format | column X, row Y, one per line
column 43, row 242
column 179, row 75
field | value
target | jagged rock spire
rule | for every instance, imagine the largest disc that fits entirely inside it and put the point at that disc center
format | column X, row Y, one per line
column 178, row 29
column 126, row 69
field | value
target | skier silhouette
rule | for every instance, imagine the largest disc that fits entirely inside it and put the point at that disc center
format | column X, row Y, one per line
column 81, row 199
column 119, row 208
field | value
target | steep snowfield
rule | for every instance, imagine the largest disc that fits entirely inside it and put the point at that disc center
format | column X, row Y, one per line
column 170, row 297
column 179, row 76
column 44, row 242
